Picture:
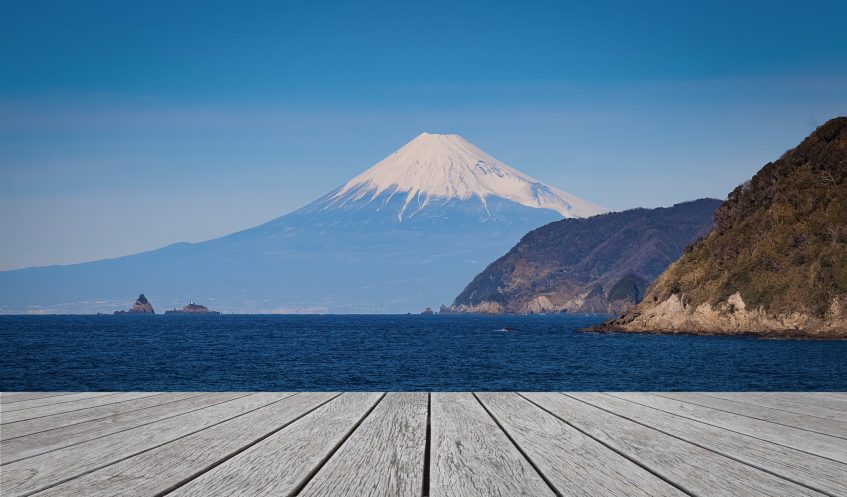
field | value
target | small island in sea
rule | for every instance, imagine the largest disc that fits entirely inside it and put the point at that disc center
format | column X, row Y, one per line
column 193, row 308
column 141, row 306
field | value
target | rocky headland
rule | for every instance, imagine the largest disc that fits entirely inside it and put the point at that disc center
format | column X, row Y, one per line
column 775, row 263
column 602, row 264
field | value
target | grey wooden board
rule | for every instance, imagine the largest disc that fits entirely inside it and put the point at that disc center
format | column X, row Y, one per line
column 12, row 397
column 827, row 395
column 795, row 420
column 30, row 426
column 40, row 472
column 45, row 441
column 813, row 443
column 811, row 399
column 699, row 471
column 42, row 411
column 46, row 401
column 815, row 472
column 777, row 402
column 574, row 463
column 365, row 444
column 384, row 457
column 166, row 467
column 282, row 463
column 471, row 456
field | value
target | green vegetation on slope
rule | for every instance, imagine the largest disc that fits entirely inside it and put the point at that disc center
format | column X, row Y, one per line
column 779, row 240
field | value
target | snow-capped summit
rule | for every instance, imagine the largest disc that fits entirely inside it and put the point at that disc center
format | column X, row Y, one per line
column 435, row 167
column 407, row 233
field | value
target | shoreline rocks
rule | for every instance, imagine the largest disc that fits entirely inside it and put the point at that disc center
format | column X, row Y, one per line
column 775, row 264
column 731, row 317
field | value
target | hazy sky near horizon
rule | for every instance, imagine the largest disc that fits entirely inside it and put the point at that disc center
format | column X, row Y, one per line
column 126, row 126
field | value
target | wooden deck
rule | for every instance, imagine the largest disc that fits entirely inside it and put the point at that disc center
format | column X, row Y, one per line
column 439, row 444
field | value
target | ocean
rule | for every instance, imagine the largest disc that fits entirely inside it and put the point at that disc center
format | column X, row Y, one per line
column 394, row 352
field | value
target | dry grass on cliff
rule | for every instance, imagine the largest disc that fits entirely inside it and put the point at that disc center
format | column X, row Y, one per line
column 780, row 240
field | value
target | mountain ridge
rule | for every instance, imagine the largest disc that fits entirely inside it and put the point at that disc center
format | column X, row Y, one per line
column 601, row 264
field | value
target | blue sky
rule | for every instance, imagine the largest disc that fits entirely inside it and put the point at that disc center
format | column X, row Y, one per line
column 125, row 126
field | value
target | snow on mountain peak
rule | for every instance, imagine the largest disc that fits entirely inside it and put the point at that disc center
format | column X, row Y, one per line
column 436, row 166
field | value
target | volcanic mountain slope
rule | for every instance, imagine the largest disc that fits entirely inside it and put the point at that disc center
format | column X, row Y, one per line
column 404, row 234
column 433, row 168
column 776, row 261
column 602, row 264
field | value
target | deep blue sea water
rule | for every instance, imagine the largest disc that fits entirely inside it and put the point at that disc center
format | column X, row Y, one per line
column 358, row 352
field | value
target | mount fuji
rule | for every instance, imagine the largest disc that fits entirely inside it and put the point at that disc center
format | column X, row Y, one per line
column 407, row 233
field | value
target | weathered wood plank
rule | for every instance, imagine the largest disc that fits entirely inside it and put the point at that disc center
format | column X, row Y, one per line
column 50, row 410
column 807, row 441
column 802, row 421
column 12, row 397
column 776, row 402
column 40, row 472
column 383, row 457
column 810, row 399
column 356, row 444
column 282, row 463
column 38, row 443
column 696, row 470
column 828, row 395
column 46, row 401
column 159, row 470
column 575, row 464
column 30, row 426
column 472, row 456
column 815, row 472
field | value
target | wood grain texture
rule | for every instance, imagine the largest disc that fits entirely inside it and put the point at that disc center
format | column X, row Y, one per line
column 813, row 443
column 471, row 456
column 698, row 471
column 65, row 436
column 815, row 472
column 40, row 472
column 12, row 397
column 795, row 420
column 372, row 444
column 282, row 463
column 776, row 401
column 166, row 467
column 53, row 409
column 811, row 399
column 28, row 427
column 384, row 457
column 574, row 463
column 46, row 401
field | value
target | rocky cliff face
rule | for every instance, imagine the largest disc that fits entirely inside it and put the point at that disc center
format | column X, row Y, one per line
column 602, row 264
column 775, row 263
column 141, row 306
